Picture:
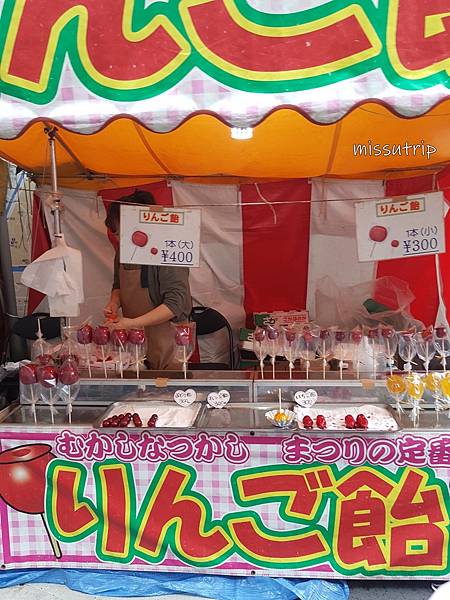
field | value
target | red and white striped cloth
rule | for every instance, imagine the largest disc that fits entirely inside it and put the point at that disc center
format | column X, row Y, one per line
column 263, row 247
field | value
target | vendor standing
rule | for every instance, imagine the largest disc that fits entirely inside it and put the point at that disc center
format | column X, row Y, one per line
column 151, row 297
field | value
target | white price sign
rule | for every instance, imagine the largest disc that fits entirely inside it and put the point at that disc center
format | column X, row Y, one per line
column 160, row 236
column 400, row 227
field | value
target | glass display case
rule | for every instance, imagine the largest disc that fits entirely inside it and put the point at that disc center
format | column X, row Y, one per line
column 99, row 397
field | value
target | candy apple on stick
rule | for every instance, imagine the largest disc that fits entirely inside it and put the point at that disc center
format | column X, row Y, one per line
column 432, row 383
column 29, row 384
column 407, row 348
column 340, row 337
column 184, row 343
column 119, row 338
column 136, row 339
column 442, row 345
column 308, row 346
column 289, row 345
column 425, row 346
column 48, row 379
column 444, row 385
column 40, row 350
column 415, row 388
column 325, row 348
column 69, row 383
column 356, row 337
column 273, row 336
column 84, row 337
column 101, row 337
column 373, row 336
column 390, row 343
column 396, row 385
column 260, row 347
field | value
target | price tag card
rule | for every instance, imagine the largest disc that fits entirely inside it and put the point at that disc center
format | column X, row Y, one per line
column 160, row 236
column 400, row 227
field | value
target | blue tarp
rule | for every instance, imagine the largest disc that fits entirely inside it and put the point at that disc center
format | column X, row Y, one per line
column 133, row 584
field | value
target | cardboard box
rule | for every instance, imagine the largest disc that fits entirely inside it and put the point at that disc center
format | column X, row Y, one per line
column 280, row 317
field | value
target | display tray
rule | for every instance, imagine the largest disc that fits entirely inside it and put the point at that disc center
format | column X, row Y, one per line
column 380, row 418
column 169, row 414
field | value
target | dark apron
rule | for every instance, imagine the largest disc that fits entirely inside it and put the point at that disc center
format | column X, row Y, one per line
column 136, row 302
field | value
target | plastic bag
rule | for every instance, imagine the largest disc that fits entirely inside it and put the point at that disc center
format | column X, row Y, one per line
column 131, row 584
column 385, row 300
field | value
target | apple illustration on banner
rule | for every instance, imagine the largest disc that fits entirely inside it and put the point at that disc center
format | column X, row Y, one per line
column 23, row 481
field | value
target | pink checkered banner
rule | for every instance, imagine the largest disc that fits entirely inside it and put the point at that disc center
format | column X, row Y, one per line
column 313, row 505
column 83, row 63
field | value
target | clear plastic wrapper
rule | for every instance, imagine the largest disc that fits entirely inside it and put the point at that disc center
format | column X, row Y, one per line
column 184, row 343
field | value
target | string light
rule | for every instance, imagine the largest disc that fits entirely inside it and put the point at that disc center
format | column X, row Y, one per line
column 241, row 133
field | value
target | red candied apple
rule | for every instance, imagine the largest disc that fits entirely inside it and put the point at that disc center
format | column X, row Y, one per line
column 427, row 334
column 136, row 336
column 101, row 335
column 119, row 337
column 324, row 334
column 308, row 422
column 182, row 337
column 47, row 376
column 258, row 336
column 72, row 357
column 357, row 336
column 321, row 422
column 137, row 421
column 290, row 336
column 84, row 334
column 340, row 336
column 152, row 421
column 441, row 332
column 44, row 359
column 308, row 336
column 362, row 422
column 272, row 333
column 68, row 373
column 387, row 332
column 372, row 333
column 28, row 374
column 350, row 422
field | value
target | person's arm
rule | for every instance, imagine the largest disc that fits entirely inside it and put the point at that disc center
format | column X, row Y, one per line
column 176, row 302
column 156, row 316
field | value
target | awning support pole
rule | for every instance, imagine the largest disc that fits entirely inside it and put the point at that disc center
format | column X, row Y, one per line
column 56, row 196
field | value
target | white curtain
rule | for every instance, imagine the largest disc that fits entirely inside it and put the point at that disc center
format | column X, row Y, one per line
column 332, row 242
column 218, row 282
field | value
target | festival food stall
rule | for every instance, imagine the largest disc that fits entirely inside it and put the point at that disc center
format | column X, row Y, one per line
column 323, row 469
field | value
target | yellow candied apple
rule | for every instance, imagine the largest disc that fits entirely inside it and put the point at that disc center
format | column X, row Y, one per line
column 415, row 388
column 445, row 386
column 431, row 381
column 396, row 384
column 280, row 417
